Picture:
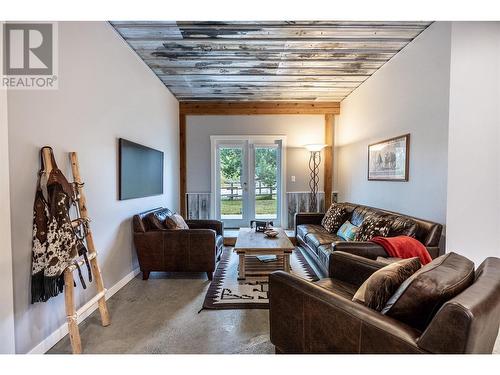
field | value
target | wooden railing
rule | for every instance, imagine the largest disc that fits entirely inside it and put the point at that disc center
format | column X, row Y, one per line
column 235, row 190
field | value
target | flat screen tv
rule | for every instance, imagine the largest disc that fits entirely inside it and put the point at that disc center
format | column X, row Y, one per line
column 141, row 170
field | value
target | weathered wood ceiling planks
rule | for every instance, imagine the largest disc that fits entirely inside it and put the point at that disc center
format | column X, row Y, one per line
column 266, row 61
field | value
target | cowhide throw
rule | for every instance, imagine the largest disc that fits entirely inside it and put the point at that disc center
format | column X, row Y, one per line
column 55, row 243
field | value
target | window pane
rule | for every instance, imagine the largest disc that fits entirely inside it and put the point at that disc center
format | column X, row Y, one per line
column 230, row 183
column 266, row 203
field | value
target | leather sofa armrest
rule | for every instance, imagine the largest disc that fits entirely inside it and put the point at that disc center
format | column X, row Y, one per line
column 216, row 225
column 308, row 218
column 365, row 249
column 352, row 269
column 306, row 318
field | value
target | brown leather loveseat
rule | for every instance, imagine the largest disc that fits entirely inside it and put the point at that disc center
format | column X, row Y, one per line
column 320, row 244
column 196, row 249
column 446, row 308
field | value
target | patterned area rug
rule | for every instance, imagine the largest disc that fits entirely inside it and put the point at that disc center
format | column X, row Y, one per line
column 227, row 292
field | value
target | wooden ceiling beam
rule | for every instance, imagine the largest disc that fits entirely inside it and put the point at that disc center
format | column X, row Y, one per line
column 258, row 108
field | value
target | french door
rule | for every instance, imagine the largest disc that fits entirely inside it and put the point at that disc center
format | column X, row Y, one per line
column 247, row 179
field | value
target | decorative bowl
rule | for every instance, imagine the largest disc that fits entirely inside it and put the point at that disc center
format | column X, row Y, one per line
column 271, row 233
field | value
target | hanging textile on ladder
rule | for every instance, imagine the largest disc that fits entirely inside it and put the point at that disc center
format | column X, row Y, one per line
column 55, row 243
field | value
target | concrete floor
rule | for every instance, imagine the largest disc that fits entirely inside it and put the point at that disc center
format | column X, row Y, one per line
column 161, row 316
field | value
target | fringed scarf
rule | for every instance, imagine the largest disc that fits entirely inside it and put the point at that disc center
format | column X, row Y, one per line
column 55, row 243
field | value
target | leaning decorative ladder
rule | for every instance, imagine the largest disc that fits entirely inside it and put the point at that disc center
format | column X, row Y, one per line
column 71, row 313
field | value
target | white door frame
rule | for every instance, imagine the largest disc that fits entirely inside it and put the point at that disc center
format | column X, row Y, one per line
column 252, row 139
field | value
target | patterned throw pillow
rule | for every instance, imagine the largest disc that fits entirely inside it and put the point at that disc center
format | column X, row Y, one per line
column 373, row 226
column 348, row 231
column 175, row 221
column 157, row 218
column 382, row 284
column 334, row 217
column 403, row 226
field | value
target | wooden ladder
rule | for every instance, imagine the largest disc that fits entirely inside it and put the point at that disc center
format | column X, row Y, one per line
column 71, row 313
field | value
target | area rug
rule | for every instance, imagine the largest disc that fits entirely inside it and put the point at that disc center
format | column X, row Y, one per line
column 227, row 292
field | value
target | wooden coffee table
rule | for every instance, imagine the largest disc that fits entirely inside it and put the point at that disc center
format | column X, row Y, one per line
column 250, row 244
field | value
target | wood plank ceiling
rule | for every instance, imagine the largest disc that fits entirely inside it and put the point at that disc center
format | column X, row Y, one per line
column 260, row 61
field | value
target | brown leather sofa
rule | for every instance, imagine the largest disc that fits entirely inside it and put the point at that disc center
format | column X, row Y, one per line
column 320, row 244
column 320, row 317
column 196, row 249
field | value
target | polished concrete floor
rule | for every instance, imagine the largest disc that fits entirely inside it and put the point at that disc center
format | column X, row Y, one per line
column 161, row 316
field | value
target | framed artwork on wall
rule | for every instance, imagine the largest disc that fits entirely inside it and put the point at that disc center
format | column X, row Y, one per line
column 389, row 160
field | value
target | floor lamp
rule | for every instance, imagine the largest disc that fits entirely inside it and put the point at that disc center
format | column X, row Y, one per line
column 314, row 162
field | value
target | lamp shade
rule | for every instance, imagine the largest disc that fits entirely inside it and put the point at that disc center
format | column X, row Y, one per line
column 314, row 147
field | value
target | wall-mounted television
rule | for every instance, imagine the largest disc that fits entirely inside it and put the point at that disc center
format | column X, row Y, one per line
column 141, row 170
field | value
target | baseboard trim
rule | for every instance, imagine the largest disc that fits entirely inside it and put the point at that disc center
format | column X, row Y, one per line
column 62, row 331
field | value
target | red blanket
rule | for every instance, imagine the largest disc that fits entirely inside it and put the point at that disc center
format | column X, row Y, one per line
column 403, row 247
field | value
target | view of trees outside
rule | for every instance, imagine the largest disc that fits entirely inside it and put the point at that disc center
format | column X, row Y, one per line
column 265, row 182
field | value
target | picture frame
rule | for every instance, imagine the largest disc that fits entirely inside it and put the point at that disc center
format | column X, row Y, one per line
column 389, row 160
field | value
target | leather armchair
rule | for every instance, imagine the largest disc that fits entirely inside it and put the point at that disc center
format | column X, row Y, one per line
column 320, row 317
column 196, row 249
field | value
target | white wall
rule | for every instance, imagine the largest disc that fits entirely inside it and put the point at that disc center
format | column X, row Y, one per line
column 105, row 92
column 473, row 214
column 7, row 344
column 409, row 94
column 299, row 129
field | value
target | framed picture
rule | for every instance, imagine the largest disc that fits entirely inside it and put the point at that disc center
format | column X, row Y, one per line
column 389, row 160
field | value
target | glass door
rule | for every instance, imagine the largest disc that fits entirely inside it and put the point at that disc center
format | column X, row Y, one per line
column 266, row 197
column 232, row 185
column 247, row 180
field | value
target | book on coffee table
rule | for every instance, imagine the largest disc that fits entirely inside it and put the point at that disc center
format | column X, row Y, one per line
column 267, row 258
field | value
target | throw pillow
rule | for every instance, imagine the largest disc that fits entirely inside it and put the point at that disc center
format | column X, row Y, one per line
column 347, row 231
column 175, row 221
column 373, row 226
column 420, row 296
column 334, row 217
column 157, row 218
column 382, row 284
column 403, row 226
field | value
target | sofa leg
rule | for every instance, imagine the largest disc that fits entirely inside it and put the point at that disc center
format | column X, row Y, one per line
column 210, row 275
column 145, row 275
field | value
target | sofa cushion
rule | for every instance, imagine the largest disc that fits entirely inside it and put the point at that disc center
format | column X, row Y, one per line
column 156, row 219
column 382, row 284
column 175, row 221
column 373, row 226
column 402, row 226
column 324, row 253
column 304, row 229
column 341, row 288
column 347, row 231
column 334, row 217
column 419, row 298
column 318, row 239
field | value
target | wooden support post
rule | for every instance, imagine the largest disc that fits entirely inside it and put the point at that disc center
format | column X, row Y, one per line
column 96, row 272
column 71, row 316
column 182, row 161
column 328, row 156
